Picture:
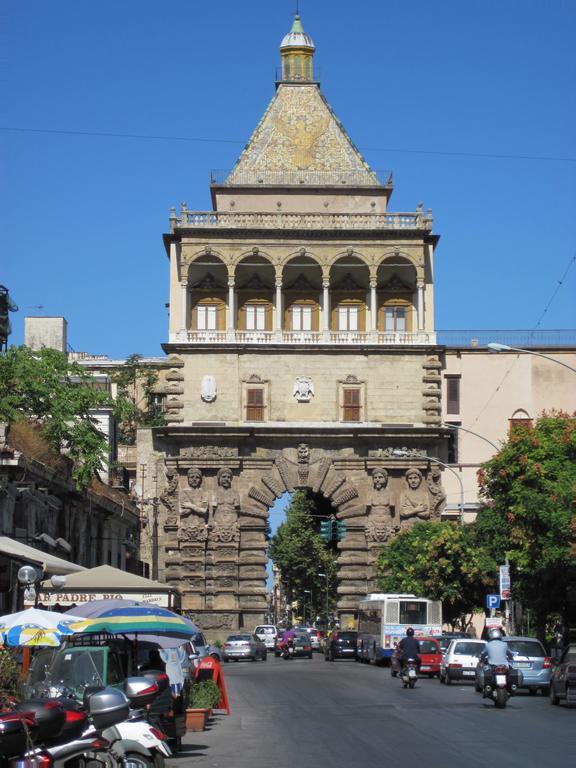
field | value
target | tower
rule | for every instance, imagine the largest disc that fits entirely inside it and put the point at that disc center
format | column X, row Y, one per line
column 301, row 351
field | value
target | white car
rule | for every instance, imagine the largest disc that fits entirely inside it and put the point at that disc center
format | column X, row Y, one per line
column 268, row 634
column 460, row 660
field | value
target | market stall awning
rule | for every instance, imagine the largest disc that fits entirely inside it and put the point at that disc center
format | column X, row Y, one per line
column 25, row 554
column 107, row 583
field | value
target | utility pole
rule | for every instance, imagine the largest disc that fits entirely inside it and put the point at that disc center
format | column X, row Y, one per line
column 155, row 530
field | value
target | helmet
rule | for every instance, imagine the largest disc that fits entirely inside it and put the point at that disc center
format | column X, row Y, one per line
column 494, row 634
column 409, row 632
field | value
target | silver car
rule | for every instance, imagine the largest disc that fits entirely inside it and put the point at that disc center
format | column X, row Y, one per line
column 244, row 646
column 531, row 660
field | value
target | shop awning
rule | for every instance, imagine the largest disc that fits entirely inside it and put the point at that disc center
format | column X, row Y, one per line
column 25, row 554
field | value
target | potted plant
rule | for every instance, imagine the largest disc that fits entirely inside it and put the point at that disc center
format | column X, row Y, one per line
column 202, row 697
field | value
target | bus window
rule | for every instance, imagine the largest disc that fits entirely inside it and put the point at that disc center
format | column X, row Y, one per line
column 412, row 612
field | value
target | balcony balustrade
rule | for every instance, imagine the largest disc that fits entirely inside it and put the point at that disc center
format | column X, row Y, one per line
column 307, row 221
column 356, row 338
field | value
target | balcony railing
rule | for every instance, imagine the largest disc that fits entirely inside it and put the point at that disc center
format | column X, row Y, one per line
column 355, row 338
column 285, row 178
column 310, row 221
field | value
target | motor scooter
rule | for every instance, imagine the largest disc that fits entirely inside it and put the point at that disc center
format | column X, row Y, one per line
column 287, row 649
column 500, row 683
column 16, row 729
column 409, row 673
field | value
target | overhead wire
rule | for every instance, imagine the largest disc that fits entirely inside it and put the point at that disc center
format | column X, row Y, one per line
column 212, row 140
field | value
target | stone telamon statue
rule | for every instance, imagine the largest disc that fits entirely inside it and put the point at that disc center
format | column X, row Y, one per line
column 437, row 492
column 193, row 500
column 226, row 503
column 414, row 500
column 381, row 502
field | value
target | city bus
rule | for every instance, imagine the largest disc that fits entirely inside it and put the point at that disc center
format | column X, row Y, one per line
column 384, row 618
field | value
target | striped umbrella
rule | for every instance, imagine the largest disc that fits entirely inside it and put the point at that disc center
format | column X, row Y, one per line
column 34, row 627
column 141, row 620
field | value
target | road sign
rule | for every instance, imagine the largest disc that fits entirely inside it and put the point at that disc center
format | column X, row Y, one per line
column 492, row 601
column 505, row 586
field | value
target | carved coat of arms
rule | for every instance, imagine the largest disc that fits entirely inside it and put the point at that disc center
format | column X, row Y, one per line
column 303, row 389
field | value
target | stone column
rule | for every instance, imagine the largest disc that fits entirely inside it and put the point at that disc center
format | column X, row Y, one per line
column 184, row 308
column 278, row 309
column 420, row 305
column 326, row 309
column 230, row 307
column 373, row 311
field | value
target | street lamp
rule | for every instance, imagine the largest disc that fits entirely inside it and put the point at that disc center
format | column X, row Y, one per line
column 494, row 346
column 401, row 453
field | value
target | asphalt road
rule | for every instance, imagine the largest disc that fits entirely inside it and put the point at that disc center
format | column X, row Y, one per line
column 306, row 713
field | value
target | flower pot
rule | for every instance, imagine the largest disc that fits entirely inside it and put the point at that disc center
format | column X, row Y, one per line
column 196, row 719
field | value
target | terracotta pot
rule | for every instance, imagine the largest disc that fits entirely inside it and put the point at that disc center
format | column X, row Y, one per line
column 196, row 719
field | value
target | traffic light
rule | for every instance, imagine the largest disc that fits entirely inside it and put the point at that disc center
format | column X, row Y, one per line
column 340, row 529
column 326, row 530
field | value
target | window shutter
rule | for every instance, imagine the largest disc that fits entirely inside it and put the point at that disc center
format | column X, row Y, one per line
column 453, row 394
column 254, row 404
column 351, row 404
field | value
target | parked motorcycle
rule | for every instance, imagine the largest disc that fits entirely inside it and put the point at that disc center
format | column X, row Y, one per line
column 409, row 673
column 500, row 682
column 16, row 730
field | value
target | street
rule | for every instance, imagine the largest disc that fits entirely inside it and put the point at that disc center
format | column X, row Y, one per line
column 312, row 713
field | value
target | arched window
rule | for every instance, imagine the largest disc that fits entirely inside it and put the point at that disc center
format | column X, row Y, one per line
column 520, row 420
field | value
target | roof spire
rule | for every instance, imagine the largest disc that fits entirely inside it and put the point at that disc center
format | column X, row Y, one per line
column 297, row 51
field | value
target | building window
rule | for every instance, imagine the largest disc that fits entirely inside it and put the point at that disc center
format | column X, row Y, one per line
column 452, row 394
column 255, row 404
column 255, row 317
column 520, row 419
column 207, row 317
column 348, row 316
column 157, row 405
column 351, row 404
column 395, row 319
column 301, row 317
column 453, row 445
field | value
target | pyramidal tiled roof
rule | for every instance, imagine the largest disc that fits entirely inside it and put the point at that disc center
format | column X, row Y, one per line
column 299, row 140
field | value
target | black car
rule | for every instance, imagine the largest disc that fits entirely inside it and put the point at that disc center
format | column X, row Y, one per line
column 341, row 645
column 563, row 682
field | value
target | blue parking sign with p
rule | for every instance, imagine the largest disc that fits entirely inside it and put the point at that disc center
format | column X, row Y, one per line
column 492, row 601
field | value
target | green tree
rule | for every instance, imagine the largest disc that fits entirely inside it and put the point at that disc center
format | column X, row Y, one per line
column 42, row 386
column 530, row 512
column 300, row 554
column 135, row 383
column 439, row 561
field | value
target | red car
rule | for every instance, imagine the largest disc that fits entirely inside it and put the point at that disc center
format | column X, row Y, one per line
column 430, row 656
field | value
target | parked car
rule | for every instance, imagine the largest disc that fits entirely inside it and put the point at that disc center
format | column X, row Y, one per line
column 563, row 681
column 268, row 634
column 531, row 659
column 202, row 648
column 430, row 656
column 244, row 646
column 460, row 660
column 341, row 645
column 446, row 638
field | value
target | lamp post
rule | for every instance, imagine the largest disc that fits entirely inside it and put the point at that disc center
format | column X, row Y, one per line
column 401, row 453
column 494, row 346
column 325, row 575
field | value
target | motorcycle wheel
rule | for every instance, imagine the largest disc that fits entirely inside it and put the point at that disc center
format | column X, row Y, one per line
column 159, row 761
column 501, row 698
column 412, row 683
column 134, row 760
column 553, row 698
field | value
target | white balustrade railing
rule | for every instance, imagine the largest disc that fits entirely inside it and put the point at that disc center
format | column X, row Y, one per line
column 355, row 338
column 276, row 220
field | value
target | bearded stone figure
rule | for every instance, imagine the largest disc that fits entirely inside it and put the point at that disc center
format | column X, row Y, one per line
column 226, row 504
column 381, row 509
column 193, row 500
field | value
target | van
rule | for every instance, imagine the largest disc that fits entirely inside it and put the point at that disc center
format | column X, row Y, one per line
column 268, row 634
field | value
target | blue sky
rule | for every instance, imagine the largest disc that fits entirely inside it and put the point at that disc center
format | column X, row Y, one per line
column 433, row 91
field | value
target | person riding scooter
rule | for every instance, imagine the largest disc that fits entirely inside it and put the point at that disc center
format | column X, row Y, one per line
column 496, row 653
column 409, row 648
